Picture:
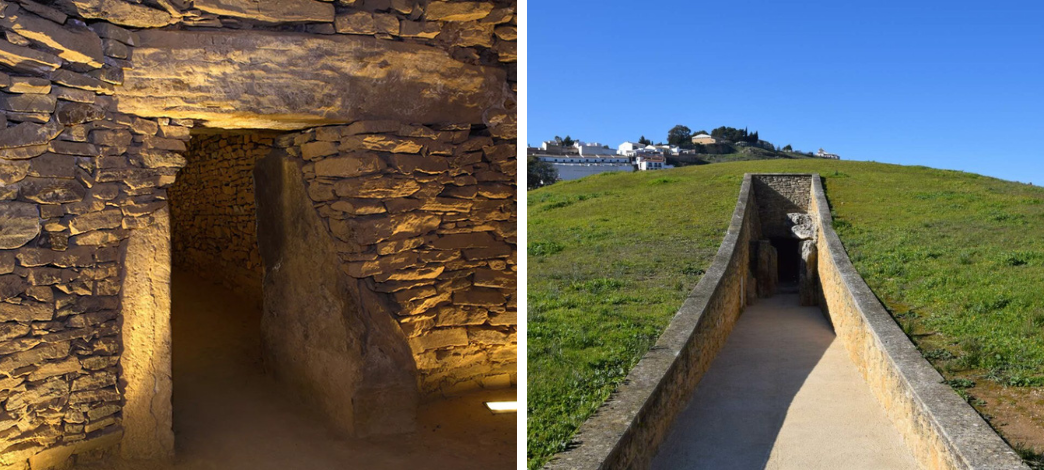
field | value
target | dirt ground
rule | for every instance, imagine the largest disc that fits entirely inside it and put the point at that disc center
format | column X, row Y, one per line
column 1017, row 413
column 228, row 415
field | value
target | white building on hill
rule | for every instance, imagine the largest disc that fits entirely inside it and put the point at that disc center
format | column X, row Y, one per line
column 703, row 139
column 822, row 154
column 629, row 148
column 589, row 160
column 591, row 149
column 651, row 162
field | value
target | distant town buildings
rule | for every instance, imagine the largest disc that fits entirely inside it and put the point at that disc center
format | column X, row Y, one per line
column 580, row 159
column 633, row 149
column 651, row 162
column 586, row 149
column 822, row 154
column 590, row 149
column 628, row 149
column 590, row 160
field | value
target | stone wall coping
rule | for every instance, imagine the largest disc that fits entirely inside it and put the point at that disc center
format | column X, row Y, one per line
column 603, row 438
column 969, row 440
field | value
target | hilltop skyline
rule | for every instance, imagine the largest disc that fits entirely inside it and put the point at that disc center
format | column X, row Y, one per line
column 952, row 85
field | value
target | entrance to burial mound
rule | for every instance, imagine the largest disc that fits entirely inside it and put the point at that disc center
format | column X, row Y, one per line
column 252, row 339
column 788, row 253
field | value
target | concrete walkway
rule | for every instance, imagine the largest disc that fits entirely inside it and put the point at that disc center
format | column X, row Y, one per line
column 783, row 394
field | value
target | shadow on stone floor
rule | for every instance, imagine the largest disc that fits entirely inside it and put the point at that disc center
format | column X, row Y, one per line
column 228, row 415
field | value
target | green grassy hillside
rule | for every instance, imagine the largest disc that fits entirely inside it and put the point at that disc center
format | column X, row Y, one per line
column 957, row 258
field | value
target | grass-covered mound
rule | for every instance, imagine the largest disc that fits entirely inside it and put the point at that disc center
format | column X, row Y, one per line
column 957, row 258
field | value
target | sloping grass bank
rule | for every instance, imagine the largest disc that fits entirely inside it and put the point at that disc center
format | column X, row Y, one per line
column 957, row 258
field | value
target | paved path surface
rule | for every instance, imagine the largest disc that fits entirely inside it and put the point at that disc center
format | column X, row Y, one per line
column 228, row 415
column 783, row 394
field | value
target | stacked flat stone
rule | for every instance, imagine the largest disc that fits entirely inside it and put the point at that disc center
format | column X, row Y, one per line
column 426, row 215
column 213, row 210
column 75, row 177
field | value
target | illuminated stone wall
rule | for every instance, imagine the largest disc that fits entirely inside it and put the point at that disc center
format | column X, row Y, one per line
column 82, row 172
column 213, row 218
column 76, row 178
column 426, row 216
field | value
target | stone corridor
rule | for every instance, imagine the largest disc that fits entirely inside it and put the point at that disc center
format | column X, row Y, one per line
column 229, row 415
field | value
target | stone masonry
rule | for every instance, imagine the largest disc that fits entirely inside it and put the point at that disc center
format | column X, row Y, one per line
column 426, row 216
column 423, row 207
column 75, row 179
column 213, row 213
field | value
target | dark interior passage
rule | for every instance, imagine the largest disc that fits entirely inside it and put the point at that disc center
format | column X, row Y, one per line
column 213, row 213
column 788, row 252
column 229, row 412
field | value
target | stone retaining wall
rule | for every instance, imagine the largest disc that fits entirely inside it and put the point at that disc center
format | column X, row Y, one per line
column 941, row 429
column 213, row 216
column 626, row 431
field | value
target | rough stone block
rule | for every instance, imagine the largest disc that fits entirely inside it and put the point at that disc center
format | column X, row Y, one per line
column 24, row 59
column 440, row 338
column 28, row 102
column 457, row 11
column 359, row 22
column 356, row 164
column 19, row 223
column 281, row 11
column 119, row 12
column 29, row 85
column 73, row 44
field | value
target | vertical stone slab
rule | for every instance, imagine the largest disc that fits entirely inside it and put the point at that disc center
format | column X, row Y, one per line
column 808, row 282
column 329, row 345
column 766, row 267
column 145, row 367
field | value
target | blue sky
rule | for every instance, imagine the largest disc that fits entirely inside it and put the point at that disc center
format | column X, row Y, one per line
column 956, row 84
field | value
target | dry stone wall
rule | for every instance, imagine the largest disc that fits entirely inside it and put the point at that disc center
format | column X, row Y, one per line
column 779, row 195
column 213, row 212
column 426, row 216
column 75, row 179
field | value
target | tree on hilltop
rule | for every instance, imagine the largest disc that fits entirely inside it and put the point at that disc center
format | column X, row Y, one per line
column 644, row 141
column 679, row 135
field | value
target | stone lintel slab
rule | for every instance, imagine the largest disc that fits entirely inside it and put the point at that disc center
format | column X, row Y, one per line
column 271, row 80
column 272, row 11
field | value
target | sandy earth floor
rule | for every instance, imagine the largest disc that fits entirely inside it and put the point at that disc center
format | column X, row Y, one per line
column 228, row 415
column 783, row 394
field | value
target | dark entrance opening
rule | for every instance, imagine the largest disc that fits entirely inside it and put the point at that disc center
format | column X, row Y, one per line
column 788, row 253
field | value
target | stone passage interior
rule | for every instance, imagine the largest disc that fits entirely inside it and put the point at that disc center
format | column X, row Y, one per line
column 213, row 213
column 385, row 276
column 216, row 292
